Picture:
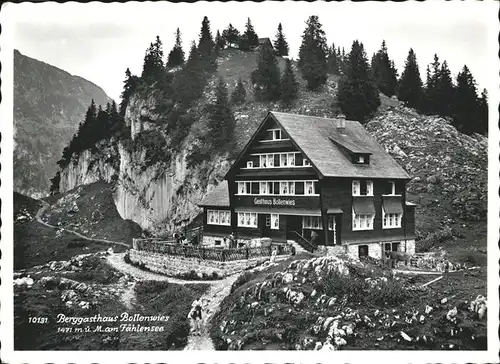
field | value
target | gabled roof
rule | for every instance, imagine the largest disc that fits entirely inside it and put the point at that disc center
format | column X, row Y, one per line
column 315, row 135
column 218, row 197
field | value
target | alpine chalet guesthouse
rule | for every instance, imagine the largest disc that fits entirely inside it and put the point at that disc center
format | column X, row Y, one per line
column 315, row 181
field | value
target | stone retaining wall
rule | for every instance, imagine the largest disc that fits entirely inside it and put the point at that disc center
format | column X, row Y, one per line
column 174, row 265
column 375, row 249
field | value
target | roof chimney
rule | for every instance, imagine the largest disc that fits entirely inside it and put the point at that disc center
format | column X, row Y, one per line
column 341, row 123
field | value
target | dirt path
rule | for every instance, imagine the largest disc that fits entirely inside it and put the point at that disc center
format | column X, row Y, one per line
column 213, row 298
column 45, row 206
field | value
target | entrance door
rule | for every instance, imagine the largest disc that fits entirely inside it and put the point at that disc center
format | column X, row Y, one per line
column 266, row 225
column 293, row 223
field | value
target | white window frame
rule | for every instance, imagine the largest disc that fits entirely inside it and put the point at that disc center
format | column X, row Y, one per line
column 277, row 131
column 362, row 221
column 369, row 188
column 361, row 159
column 312, row 222
column 283, row 160
column 244, row 188
column 275, row 221
column 332, row 226
column 393, row 188
column 263, row 161
column 306, row 162
column 308, row 184
column 391, row 220
column 249, row 219
column 249, row 164
column 263, row 188
column 356, row 187
column 270, row 160
column 290, row 159
column 214, row 217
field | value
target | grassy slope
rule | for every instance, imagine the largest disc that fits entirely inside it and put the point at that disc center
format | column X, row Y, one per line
column 35, row 244
column 96, row 215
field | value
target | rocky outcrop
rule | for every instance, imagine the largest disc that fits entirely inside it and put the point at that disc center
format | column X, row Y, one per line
column 159, row 197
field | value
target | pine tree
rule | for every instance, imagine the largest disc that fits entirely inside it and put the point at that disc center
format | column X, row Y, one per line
column 221, row 120
column 54, row 183
column 483, row 113
column 432, row 86
column 206, row 47
column 410, row 84
column 231, row 35
column 445, row 90
column 289, row 87
column 466, row 103
column 129, row 86
column 312, row 54
column 342, row 60
column 358, row 95
column 333, row 61
column 280, row 44
column 249, row 38
column 148, row 64
column 239, row 94
column 153, row 65
column 220, row 43
column 384, row 72
column 267, row 75
column 176, row 55
column 189, row 84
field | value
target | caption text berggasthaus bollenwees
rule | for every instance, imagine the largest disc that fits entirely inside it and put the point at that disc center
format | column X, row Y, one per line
column 127, row 323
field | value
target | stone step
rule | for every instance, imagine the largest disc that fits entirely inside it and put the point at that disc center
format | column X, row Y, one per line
column 297, row 246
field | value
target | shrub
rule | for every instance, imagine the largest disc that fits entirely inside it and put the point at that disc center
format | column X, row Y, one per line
column 434, row 239
column 469, row 257
column 96, row 270
column 360, row 287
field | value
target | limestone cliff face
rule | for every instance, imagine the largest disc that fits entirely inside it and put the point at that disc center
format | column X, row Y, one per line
column 159, row 198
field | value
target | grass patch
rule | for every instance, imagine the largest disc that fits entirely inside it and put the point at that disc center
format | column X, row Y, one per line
column 174, row 300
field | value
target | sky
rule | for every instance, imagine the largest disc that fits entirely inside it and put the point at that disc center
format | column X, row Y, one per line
column 98, row 41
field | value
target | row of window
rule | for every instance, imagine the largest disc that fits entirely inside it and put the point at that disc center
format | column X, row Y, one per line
column 359, row 221
column 365, row 188
column 365, row 221
column 277, row 188
column 276, row 160
column 314, row 222
column 218, row 217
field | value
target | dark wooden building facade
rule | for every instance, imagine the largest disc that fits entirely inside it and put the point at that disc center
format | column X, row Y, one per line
column 323, row 180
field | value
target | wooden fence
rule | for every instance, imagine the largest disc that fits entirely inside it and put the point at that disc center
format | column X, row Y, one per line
column 168, row 247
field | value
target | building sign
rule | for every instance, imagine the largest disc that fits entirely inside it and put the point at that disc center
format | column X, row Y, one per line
column 307, row 202
column 273, row 201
